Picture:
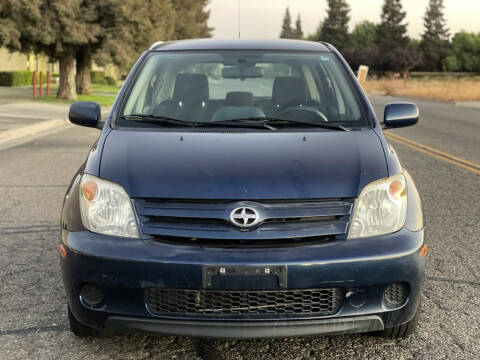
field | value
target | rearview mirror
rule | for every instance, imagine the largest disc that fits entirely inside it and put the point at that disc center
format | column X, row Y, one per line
column 398, row 115
column 85, row 113
column 241, row 72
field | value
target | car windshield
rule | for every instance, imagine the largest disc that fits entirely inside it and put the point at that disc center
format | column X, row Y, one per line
column 218, row 88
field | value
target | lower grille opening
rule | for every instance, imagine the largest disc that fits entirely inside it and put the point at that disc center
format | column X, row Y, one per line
column 245, row 244
column 233, row 304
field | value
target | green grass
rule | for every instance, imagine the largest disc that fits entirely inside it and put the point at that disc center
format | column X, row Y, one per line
column 103, row 100
column 105, row 88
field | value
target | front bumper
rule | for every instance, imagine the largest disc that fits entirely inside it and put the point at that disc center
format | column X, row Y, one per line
column 123, row 268
column 246, row 330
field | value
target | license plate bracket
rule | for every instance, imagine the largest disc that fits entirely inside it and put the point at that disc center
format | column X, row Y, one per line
column 214, row 272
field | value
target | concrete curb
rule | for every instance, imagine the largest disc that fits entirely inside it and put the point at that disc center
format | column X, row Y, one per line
column 469, row 104
column 41, row 126
column 12, row 137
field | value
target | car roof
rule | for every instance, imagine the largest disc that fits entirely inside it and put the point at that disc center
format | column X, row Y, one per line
column 240, row 44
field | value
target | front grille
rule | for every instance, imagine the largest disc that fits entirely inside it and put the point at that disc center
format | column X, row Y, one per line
column 229, row 304
column 210, row 219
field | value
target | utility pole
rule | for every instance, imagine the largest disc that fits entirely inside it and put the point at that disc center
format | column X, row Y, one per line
column 238, row 13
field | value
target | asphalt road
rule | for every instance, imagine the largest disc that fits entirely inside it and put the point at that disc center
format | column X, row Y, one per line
column 33, row 323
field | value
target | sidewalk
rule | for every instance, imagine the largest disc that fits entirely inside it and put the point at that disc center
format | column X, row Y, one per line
column 25, row 118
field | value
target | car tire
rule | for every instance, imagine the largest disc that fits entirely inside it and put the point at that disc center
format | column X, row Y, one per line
column 80, row 329
column 403, row 330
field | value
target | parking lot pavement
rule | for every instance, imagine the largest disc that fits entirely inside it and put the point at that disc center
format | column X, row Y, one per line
column 34, row 177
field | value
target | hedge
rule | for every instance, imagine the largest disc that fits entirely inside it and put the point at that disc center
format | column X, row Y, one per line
column 98, row 77
column 15, row 78
column 111, row 80
column 24, row 78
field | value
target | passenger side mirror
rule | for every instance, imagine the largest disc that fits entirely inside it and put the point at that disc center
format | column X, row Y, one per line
column 398, row 115
column 85, row 113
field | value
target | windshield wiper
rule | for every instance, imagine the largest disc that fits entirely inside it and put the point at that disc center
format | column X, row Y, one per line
column 261, row 122
column 161, row 119
column 156, row 119
column 250, row 122
column 323, row 125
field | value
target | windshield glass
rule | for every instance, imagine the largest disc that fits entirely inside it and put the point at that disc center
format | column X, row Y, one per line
column 214, row 87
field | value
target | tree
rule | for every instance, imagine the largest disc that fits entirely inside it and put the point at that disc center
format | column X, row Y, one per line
column 406, row 58
column 317, row 35
column 131, row 26
column 298, row 32
column 464, row 54
column 364, row 35
column 100, row 13
column 139, row 23
column 287, row 31
column 391, row 33
column 434, row 44
column 107, row 31
column 53, row 27
column 335, row 26
column 191, row 20
column 363, row 50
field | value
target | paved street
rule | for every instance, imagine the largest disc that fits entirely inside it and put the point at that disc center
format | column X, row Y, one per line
column 33, row 325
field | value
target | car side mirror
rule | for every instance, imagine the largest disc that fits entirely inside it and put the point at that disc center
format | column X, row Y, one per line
column 398, row 115
column 85, row 113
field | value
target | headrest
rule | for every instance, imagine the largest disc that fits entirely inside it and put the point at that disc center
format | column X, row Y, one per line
column 289, row 90
column 191, row 88
column 239, row 98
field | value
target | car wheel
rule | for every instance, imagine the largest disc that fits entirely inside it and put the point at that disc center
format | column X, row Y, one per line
column 80, row 329
column 403, row 330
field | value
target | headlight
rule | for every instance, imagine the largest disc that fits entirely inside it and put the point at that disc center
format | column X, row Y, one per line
column 106, row 208
column 381, row 208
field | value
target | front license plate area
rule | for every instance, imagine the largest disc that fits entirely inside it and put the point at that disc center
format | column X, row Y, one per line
column 244, row 277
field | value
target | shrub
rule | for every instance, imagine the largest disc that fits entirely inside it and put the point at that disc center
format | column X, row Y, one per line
column 15, row 78
column 111, row 80
column 98, row 77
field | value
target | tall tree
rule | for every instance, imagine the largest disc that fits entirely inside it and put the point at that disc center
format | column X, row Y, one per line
column 191, row 20
column 335, row 26
column 464, row 54
column 100, row 13
column 434, row 44
column 133, row 25
column 364, row 35
column 107, row 31
column 298, row 32
column 317, row 35
column 52, row 27
column 363, row 49
column 391, row 32
column 287, row 31
column 406, row 58
column 139, row 23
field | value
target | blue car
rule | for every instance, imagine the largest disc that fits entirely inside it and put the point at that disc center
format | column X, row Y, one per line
column 242, row 189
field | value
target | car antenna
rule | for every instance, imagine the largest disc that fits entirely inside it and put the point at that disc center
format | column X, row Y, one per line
column 238, row 14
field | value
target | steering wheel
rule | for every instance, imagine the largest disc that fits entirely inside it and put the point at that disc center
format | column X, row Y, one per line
column 303, row 108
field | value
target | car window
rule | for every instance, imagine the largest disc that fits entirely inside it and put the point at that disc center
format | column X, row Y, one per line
column 212, row 86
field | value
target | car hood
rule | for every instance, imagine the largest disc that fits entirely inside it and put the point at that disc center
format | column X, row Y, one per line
column 243, row 165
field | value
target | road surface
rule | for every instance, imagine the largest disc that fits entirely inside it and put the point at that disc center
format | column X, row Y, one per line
column 33, row 179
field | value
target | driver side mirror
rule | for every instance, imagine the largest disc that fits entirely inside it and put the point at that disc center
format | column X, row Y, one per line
column 85, row 113
column 398, row 115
